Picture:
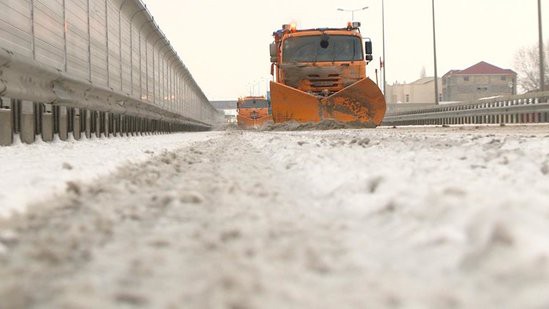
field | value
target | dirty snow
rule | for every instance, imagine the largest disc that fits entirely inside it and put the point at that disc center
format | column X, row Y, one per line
column 31, row 173
column 386, row 218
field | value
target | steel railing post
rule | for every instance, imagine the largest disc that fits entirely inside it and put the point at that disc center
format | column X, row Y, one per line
column 63, row 123
column 107, row 123
column 27, row 122
column 76, row 124
column 47, row 122
column 6, row 122
column 88, row 124
column 98, row 124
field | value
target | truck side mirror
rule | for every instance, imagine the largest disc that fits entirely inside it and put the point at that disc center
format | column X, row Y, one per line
column 274, row 52
column 368, row 48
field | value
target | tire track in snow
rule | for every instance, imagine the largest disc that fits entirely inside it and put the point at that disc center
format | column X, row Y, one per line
column 294, row 220
column 210, row 226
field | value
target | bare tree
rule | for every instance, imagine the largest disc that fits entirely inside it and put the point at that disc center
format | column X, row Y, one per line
column 527, row 67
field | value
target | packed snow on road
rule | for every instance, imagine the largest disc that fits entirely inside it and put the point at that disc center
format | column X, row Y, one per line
column 419, row 217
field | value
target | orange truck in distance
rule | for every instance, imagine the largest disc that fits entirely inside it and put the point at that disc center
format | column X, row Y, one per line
column 321, row 74
column 253, row 112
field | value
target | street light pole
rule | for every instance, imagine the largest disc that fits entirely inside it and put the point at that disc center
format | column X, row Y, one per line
column 383, row 41
column 435, row 55
column 541, row 54
column 352, row 12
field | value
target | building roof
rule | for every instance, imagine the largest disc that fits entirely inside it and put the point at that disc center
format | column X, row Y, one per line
column 451, row 72
column 482, row 68
column 421, row 81
column 424, row 80
column 224, row 105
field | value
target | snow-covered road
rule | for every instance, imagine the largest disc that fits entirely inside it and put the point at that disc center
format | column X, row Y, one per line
column 32, row 173
column 387, row 218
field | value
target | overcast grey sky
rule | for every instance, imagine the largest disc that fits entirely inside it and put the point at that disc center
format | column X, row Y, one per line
column 225, row 44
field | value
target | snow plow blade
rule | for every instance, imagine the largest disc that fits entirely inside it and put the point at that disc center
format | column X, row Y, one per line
column 362, row 102
column 253, row 121
column 292, row 104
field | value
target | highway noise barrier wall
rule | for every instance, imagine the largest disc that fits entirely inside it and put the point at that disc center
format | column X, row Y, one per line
column 92, row 68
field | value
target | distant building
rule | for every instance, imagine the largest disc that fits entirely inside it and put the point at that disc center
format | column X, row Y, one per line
column 478, row 81
column 420, row 91
column 228, row 108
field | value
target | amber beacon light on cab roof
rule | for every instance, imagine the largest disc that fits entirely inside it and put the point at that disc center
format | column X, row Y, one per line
column 320, row 74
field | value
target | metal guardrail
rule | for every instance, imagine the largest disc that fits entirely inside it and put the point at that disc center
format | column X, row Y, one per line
column 527, row 108
column 97, row 67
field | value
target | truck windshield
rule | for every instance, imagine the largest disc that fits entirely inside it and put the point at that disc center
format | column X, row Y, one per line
column 255, row 103
column 322, row 49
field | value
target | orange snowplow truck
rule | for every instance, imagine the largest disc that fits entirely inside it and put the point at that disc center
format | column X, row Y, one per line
column 321, row 74
column 253, row 112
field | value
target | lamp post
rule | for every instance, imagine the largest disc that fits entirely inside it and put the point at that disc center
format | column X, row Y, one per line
column 264, row 81
column 435, row 54
column 352, row 11
column 251, row 88
column 383, row 41
column 541, row 54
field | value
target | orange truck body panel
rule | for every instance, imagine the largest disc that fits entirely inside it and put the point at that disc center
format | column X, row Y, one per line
column 312, row 91
column 253, row 112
